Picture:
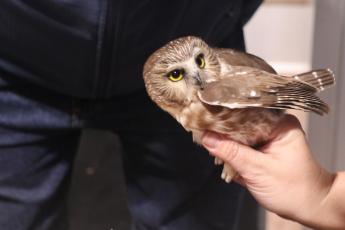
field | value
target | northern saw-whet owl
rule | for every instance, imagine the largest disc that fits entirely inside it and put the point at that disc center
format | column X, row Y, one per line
column 229, row 92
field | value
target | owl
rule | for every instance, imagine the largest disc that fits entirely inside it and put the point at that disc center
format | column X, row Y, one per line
column 229, row 92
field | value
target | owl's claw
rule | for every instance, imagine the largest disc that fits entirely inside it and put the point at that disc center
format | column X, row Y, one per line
column 228, row 173
column 218, row 161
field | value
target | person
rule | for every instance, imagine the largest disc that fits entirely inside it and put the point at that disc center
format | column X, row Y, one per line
column 70, row 65
column 284, row 177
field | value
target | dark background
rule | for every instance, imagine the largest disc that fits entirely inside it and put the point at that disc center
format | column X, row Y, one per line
column 98, row 192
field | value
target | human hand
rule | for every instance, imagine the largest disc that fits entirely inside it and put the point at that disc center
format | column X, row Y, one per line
column 282, row 175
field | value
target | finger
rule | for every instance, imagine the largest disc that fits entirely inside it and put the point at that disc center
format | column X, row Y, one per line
column 242, row 158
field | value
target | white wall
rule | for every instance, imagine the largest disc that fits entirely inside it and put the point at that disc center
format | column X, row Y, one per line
column 282, row 34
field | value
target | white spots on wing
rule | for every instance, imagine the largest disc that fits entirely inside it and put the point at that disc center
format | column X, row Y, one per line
column 331, row 72
column 321, row 84
column 296, row 77
column 252, row 93
column 235, row 105
column 254, row 105
column 209, row 80
column 225, row 68
column 315, row 74
column 241, row 73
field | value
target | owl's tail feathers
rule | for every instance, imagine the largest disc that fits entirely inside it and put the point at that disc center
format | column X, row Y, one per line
column 318, row 79
column 307, row 103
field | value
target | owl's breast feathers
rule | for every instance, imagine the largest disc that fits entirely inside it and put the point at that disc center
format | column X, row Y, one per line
column 248, row 126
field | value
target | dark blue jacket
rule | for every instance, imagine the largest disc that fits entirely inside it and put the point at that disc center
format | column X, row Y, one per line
column 96, row 48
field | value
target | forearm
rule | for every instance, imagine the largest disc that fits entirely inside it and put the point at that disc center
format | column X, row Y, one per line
column 329, row 211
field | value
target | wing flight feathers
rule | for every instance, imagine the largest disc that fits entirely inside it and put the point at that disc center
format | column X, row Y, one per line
column 262, row 89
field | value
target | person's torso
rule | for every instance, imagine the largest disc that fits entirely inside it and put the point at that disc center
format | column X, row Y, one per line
column 97, row 48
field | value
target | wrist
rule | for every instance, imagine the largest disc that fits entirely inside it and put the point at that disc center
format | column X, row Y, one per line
column 310, row 194
column 320, row 207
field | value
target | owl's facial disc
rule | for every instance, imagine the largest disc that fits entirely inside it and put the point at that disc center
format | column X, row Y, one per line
column 175, row 72
column 190, row 73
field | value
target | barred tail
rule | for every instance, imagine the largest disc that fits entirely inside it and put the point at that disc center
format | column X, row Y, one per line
column 318, row 79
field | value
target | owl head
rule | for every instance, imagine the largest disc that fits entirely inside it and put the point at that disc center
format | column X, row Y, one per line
column 174, row 73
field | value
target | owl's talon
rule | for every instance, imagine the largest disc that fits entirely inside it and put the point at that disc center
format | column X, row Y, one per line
column 223, row 175
column 228, row 173
column 228, row 179
column 218, row 161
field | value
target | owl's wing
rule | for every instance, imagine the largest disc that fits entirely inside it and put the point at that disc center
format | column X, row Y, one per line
column 238, row 58
column 256, row 88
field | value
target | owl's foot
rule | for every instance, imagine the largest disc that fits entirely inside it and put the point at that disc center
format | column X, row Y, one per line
column 218, row 161
column 228, row 173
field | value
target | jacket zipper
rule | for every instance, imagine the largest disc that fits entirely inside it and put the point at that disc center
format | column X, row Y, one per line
column 108, row 49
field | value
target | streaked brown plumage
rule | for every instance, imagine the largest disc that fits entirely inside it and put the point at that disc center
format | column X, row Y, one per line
column 227, row 91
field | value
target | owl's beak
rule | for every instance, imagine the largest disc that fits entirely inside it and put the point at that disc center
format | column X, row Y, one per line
column 199, row 81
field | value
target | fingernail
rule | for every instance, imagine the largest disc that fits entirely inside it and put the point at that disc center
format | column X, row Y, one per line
column 211, row 140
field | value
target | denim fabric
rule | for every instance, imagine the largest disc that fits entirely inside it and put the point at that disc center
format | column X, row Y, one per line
column 172, row 183
column 37, row 147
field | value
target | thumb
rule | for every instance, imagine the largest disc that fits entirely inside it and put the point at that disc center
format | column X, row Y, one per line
column 242, row 158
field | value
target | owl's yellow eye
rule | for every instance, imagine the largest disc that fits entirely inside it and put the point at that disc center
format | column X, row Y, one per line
column 176, row 75
column 200, row 61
